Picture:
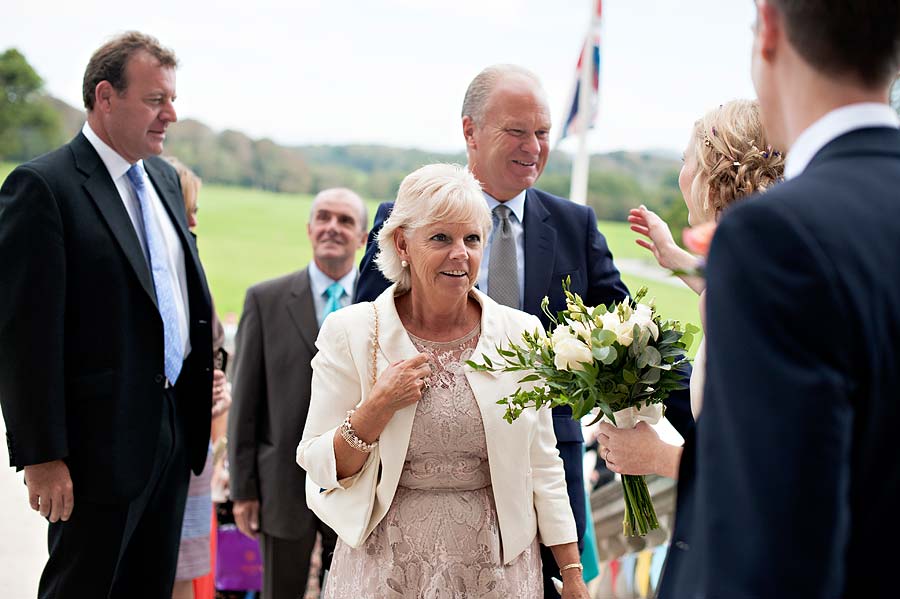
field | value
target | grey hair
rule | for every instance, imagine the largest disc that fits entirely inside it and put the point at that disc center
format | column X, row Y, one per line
column 483, row 84
column 434, row 193
column 342, row 192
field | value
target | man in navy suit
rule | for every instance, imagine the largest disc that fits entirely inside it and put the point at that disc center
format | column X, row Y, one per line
column 793, row 482
column 506, row 125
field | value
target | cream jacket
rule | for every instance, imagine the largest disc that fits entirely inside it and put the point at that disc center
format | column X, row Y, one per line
column 526, row 471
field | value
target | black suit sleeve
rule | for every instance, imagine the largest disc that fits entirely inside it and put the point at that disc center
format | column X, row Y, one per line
column 32, row 320
column 371, row 281
column 248, row 392
column 774, row 437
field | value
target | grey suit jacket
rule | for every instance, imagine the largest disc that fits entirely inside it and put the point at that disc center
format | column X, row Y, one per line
column 275, row 343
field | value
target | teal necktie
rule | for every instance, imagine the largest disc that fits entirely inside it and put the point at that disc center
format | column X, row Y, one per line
column 335, row 292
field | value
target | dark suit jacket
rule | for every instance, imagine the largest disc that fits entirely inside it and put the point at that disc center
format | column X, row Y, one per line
column 794, row 481
column 81, row 338
column 276, row 340
column 561, row 240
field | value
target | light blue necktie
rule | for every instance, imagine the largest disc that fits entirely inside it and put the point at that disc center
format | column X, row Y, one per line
column 162, row 282
column 335, row 292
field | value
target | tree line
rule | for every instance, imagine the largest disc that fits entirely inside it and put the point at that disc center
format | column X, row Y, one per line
column 32, row 123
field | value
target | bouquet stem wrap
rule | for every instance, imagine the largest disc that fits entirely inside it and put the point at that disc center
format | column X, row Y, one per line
column 640, row 516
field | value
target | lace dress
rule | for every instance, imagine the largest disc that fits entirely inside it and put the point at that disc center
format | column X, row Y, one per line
column 440, row 538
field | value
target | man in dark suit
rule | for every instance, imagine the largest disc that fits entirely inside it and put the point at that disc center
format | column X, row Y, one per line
column 793, row 483
column 105, row 361
column 275, row 343
column 506, row 125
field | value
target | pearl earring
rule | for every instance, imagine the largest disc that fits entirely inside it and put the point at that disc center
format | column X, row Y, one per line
column 404, row 263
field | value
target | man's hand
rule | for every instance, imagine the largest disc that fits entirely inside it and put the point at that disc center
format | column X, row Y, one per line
column 50, row 490
column 246, row 516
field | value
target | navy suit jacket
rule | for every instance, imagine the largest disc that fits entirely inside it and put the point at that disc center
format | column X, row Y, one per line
column 561, row 240
column 793, row 479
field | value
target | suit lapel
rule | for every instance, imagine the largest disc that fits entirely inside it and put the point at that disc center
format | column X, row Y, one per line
column 302, row 309
column 102, row 190
column 540, row 251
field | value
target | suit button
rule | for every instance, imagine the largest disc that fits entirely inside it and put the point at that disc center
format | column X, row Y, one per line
column 682, row 545
column 159, row 379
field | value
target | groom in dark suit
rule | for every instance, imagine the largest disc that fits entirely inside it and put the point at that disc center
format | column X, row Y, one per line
column 793, row 483
column 105, row 339
column 538, row 239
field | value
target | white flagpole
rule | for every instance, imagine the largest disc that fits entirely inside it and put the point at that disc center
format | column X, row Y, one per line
column 581, row 160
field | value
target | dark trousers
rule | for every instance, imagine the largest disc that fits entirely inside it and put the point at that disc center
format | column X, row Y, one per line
column 126, row 550
column 286, row 562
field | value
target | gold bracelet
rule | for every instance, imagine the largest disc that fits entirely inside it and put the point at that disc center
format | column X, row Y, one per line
column 349, row 435
column 571, row 566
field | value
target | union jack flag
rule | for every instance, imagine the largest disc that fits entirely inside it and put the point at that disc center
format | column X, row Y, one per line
column 575, row 121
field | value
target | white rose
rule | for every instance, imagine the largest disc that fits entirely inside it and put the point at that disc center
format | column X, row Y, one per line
column 561, row 333
column 610, row 321
column 570, row 353
column 581, row 331
column 625, row 333
column 643, row 317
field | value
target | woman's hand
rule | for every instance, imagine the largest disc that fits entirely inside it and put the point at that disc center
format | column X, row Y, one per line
column 572, row 579
column 401, row 384
column 667, row 253
column 573, row 585
column 637, row 451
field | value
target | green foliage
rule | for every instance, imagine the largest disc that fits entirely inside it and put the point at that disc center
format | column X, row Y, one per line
column 633, row 359
column 28, row 124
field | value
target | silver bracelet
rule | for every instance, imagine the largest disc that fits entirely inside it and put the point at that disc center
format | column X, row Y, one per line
column 349, row 435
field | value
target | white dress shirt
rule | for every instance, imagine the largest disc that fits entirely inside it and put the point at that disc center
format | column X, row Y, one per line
column 831, row 126
column 516, row 206
column 117, row 168
column 320, row 282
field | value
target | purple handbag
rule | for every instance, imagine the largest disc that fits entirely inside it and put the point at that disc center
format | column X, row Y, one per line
column 238, row 563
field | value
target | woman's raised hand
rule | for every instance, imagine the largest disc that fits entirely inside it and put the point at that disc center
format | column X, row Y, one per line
column 402, row 383
column 667, row 253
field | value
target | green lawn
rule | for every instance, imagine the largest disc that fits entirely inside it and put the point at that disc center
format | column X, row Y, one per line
column 247, row 235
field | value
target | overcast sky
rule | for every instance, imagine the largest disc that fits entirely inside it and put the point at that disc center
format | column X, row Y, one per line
column 394, row 71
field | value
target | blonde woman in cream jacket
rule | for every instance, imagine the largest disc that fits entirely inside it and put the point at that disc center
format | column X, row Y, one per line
column 430, row 491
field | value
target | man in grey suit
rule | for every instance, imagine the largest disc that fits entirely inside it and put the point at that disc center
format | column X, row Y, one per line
column 275, row 343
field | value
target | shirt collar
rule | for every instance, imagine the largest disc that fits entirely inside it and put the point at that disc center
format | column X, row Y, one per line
column 114, row 163
column 831, row 126
column 516, row 204
column 320, row 282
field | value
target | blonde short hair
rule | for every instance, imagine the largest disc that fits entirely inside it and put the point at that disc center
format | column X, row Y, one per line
column 434, row 193
column 190, row 184
column 734, row 156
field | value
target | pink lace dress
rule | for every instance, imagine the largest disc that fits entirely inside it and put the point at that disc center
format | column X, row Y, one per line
column 440, row 538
